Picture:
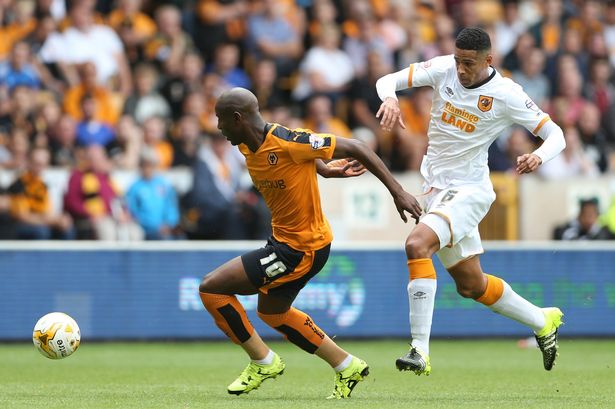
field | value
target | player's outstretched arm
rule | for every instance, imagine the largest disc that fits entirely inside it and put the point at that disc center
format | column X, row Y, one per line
column 389, row 112
column 340, row 168
column 404, row 201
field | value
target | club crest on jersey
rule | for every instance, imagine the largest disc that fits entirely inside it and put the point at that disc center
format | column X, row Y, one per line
column 272, row 158
column 317, row 141
column 485, row 103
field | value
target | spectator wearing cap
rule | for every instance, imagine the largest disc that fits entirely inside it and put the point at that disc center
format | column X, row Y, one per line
column 152, row 201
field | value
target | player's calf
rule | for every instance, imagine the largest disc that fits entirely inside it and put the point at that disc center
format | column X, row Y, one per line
column 229, row 315
column 297, row 327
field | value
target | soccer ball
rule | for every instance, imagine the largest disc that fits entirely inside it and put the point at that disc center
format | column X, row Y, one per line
column 56, row 335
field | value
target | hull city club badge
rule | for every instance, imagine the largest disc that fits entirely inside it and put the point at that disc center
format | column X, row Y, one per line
column 485, row 103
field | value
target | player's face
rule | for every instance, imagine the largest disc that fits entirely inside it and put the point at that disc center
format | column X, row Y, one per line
column 229, row 126
column 471, row 66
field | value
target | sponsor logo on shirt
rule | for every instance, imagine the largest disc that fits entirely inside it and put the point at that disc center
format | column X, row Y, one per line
column 270, row 184
column 316, row 141
column 449, row 91
column 459, row 118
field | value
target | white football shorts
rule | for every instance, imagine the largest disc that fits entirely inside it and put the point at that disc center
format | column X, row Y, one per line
column 454, row 214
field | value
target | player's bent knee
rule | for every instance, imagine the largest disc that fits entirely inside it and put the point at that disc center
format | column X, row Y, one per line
column 469, row 291
column 417, row 248
column 208, row 284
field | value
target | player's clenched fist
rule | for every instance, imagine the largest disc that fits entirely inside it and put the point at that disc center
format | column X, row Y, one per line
column 389, row 113
column 528, row 163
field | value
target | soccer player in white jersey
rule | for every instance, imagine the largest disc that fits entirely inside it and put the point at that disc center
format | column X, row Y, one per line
column 472, row 103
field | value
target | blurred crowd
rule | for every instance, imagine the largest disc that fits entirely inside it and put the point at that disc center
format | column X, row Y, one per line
column 130, row 85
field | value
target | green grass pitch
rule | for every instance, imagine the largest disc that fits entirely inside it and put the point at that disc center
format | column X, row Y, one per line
column 466, row 374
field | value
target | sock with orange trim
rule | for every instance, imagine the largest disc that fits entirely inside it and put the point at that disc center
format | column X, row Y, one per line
column 421, row 296
column 502, row 299
column 229, row 315
column 297, row 327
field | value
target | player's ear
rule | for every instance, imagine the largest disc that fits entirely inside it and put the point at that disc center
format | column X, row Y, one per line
column 489, row 58
column 237, row 116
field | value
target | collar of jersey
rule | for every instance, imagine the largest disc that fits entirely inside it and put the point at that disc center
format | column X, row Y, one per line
column 483, row 82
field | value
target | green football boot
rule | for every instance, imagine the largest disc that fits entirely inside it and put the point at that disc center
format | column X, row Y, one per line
column 414, row 361
column 547, row 337
column 346, row 380
column 254, row 374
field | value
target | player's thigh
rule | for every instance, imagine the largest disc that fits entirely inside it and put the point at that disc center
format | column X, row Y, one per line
column 462, row 208
column 229, row 278
column 272, row 264
column 425, row 239
column 455, row 254
column 276, row 296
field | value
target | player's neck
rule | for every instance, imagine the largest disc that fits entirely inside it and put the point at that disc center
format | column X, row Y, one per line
column 256, row 133
column 489, row 73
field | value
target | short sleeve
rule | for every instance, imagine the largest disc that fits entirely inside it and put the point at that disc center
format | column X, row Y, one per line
column 523, row 111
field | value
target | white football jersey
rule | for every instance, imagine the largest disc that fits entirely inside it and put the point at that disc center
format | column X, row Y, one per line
column 465, row 121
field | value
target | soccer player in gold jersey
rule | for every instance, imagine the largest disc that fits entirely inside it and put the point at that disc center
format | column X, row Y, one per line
column 283, row 164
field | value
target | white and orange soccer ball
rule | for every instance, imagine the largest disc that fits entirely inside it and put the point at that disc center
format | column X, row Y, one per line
column 56, row 335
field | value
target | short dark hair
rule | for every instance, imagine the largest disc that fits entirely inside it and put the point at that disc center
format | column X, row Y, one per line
column 473, row 38
column 589, row 201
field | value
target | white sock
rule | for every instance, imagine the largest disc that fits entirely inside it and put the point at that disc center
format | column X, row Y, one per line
column 512, row 305
column 421, row 296
column 344, row 364
column 267, row 360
